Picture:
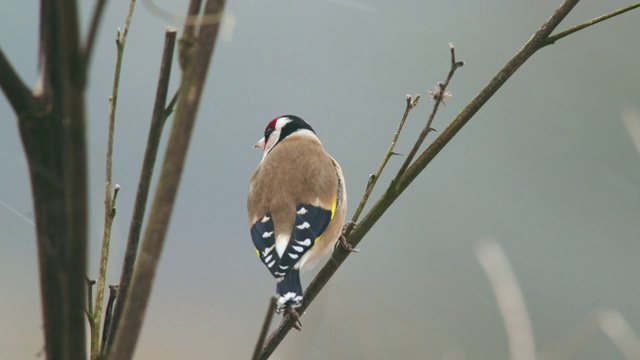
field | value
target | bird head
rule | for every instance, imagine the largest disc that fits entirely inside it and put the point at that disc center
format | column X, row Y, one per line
column 279, row 129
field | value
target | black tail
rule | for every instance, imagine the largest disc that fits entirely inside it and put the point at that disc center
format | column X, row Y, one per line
column 290, row 290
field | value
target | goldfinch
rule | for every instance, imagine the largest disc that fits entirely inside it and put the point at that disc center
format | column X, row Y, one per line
column 297, row 204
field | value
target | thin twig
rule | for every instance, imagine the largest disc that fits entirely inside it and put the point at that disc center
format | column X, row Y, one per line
column 192, row 86
column 108, row 316
column 89, row 310
column 373, row 179
column 110, row 213
column 553, row 38
column 510, row 300
column 172, row 103
column 144, row 183
column 121, row 40
column 393, row 192
column 265, row 327
column 438, row 95
column 88, row 47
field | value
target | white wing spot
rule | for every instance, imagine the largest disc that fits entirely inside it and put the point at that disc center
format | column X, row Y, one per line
column 283, row 267
column 306, row 242
column 268, row 258
column 269, row 265
column 267, row 234
column 268, row 250
column 298, row 248
column 265, row 219
column 281, row 274
column 293, row 256
column 305, row 225
column 302, row 211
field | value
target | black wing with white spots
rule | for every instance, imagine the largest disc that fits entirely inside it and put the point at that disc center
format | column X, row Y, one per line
column 263, row 236
column 311, row 221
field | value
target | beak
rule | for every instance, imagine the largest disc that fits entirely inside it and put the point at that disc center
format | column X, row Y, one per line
column 260, row 144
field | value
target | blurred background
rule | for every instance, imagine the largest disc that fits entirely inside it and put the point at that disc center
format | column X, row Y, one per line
column 546, row 169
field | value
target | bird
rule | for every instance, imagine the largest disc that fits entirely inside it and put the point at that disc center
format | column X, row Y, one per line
column 297, row 203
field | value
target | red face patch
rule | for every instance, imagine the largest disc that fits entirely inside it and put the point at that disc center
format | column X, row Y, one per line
column 270, row 128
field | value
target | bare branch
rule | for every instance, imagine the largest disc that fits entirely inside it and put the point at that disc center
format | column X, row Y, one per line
column 90, row 284
column 172, row 103
column 265, row 327
column 552, row 39
column 54, row 142
column 393, row 192
column 87, row 50
column 150, row 155
column 18, row 94
column 192, row 85
column 373, row 179
column 438, row 95
column 109, row 203
column 110, row 213
column 108, row 316
column 535, row 43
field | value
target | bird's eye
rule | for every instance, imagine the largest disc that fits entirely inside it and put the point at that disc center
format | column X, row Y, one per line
column 268, row 133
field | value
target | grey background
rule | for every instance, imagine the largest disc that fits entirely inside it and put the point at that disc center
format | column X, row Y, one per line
column 546, row 169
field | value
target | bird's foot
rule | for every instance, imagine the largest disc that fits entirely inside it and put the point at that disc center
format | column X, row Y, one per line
column 343, row 240
column 294, row 313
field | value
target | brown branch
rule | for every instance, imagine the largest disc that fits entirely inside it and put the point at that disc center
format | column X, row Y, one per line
column 90, row 284
column 88, row 47
column 373, row 179
column 172, row 104
column 18, row 94
column 192, row 85
column 109, row 204
column 535, row 43
column 395, row 189
column 144, row 183
column 108, row 316
column 552, row 39
column 110, row 214
column 265, row 327
column 54, row 141
column 438, row 95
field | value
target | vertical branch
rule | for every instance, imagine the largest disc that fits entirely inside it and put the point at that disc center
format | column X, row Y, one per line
column 88, row 47
column 109, row 202
column 109, row 211
column 151, row 152
column 54, row 142
column 190, row 94
column 108, row 316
